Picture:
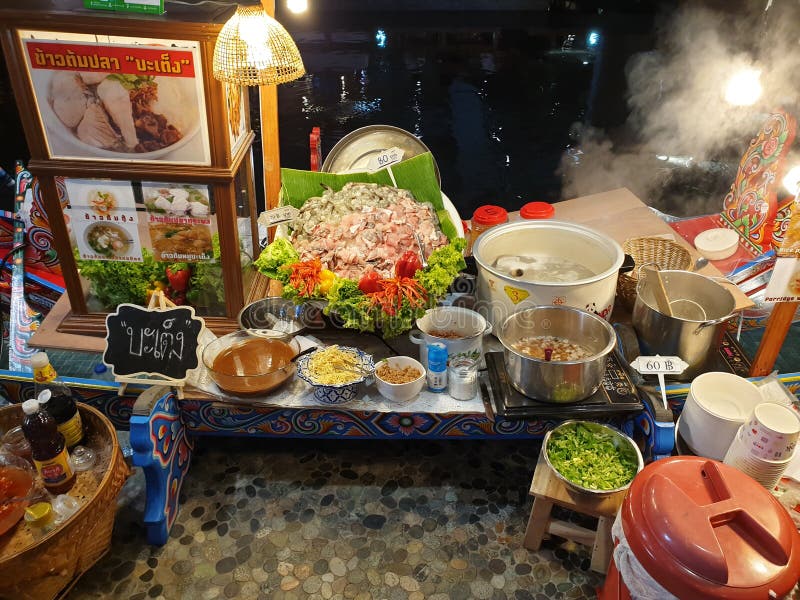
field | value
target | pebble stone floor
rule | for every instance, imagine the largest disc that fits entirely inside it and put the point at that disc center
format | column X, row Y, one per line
column 291, row 519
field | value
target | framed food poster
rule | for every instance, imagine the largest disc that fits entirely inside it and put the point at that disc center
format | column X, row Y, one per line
column 118, row 99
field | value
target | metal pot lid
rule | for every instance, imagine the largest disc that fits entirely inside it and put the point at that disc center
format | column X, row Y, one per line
column 355, row 150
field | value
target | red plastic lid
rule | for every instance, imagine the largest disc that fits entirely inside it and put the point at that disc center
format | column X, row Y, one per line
column 537, row 210
column 489, row 214
column 703, row 529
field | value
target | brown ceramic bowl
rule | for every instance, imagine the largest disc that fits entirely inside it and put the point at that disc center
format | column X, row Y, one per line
column 250, row 361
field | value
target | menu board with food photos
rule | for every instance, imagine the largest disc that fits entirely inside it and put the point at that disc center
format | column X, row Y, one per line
column 179, row 221
column 103, row 219
column 113, row 220
column 118, row 99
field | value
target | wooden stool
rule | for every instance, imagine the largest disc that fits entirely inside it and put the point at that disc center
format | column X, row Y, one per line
column 547, row 490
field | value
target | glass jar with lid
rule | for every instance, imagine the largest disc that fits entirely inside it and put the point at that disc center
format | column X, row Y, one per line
column 485, row 217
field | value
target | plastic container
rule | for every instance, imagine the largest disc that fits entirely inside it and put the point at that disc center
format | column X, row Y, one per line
column 696, row 528
column 82, row 458
column 717, row 244
column 437, row 367
column 41, row 516
column 537, row 210
column 64, row 507
column 485, row 217
column 15, row 442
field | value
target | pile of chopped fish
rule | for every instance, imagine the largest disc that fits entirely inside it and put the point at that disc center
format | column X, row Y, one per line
column 362, row 226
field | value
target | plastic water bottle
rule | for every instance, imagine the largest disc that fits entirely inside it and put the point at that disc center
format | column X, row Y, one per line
column 437, row 367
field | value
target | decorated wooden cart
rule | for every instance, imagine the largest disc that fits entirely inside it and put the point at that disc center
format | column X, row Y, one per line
column 144, row 162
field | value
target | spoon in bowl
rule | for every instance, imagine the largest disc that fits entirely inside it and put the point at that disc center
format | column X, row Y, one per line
column 303, row 353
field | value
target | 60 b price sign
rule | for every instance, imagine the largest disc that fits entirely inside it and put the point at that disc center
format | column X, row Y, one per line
column 668, row 365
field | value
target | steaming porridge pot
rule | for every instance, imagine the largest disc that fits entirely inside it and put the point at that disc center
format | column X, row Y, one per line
column 501, row 291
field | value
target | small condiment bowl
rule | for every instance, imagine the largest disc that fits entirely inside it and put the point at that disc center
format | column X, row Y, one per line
column 254, row 370
column 619, row 440
column 400, row 392
column 339, row 393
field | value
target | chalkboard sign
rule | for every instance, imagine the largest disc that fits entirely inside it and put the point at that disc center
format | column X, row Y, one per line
column 160, row 342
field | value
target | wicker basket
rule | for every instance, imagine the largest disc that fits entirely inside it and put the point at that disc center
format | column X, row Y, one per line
column 665, row 253
column 48, row 567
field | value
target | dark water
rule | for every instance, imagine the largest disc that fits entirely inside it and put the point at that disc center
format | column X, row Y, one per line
column 494, row 95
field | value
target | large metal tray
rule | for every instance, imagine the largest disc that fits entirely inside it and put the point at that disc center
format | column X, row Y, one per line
column 353, row 152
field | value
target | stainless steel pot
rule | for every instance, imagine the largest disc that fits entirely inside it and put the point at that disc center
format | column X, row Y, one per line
column 557, row 381
column 700, row 307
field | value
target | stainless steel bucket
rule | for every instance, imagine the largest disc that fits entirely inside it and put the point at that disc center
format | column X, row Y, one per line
column 700, row 307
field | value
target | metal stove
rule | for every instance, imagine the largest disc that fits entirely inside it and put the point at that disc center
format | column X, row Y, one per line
column 616, row 396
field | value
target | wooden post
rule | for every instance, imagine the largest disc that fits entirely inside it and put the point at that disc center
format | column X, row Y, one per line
column 774, row 335
column 268, row 96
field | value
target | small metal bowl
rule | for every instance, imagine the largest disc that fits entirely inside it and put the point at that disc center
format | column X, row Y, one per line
column 274, row 313
column 339, row 393
column 620, row 439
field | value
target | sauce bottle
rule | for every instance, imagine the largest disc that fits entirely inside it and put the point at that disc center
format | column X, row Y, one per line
column 437, row 367
column 484, row 218
column 48, row 448
column 57, row 399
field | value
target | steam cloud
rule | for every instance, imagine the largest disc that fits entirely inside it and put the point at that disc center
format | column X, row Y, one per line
column 678, row 109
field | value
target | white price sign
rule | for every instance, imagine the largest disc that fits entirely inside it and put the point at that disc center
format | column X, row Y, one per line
column 660, row 366
column 385, row 158
column 279, row 215
column 669, row 365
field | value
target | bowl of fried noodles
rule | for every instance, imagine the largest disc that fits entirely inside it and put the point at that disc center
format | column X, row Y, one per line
column 335, row 372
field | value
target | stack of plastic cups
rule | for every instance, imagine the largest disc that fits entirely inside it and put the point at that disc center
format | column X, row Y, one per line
column 766, row 443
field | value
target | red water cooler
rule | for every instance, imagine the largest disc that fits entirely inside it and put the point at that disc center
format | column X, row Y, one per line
column 704, row 530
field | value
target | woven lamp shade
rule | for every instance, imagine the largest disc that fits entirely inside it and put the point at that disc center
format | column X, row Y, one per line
column 254, row 49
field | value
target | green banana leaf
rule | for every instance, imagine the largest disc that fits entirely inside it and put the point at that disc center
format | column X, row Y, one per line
column 416, row 175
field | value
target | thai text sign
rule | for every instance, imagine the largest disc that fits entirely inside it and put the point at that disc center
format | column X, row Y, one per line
column 114, row 59
column 154, row 342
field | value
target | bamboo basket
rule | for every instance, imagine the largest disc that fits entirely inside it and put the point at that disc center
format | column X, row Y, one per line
column 48, row 567
column 662, row 252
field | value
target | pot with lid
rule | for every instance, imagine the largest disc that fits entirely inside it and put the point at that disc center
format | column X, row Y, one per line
column 529, row 263
column 691, row 527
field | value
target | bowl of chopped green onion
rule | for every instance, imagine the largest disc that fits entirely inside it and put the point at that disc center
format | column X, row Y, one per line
column 592, row 458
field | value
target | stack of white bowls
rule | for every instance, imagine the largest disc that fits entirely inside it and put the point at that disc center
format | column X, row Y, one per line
column 717, row 406
column 765, row 445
